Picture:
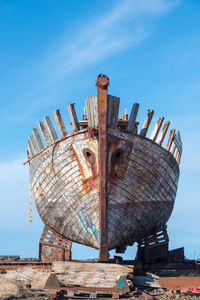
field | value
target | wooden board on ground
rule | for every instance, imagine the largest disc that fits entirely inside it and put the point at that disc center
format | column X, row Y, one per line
column 88, row 277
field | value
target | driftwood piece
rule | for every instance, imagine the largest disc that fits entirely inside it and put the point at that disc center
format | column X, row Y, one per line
column 162, row 133
column 44, row 133
column 156, row 129
column 51, row 129
column 73, row 117
column 60, row 123
column 92, row 111
column 37, row 139
column 113, row 110
column 132, row 119
column 147, row 121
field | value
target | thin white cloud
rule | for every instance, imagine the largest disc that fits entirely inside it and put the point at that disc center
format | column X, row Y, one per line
column 84, row 43
column 122, row 27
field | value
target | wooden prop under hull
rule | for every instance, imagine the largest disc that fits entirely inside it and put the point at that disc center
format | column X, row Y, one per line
column 104, row 186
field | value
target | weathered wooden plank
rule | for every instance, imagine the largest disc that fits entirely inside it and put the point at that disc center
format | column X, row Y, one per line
column 91, row 275
column 178, row 157
column 147, row 121
column 44, row 133
column 132, row 119
column 66, row 145
column 71, row 186
column 113, row 111
column 60, row 123
column 158, row 153
column 170, row 139
column 92, row 111
column 33, row 144
column 176, row 152
column 30, row 148
column 162, row 133
column 155, row 175
column 177, row 141
column 38, row 140
column 159, row 168
column 50, row 128
column 142, row 190
column 73, row 117
column 60, row 267
column 156, row 129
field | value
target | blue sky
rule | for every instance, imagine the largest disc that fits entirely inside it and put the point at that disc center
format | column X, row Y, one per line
column 50, row 54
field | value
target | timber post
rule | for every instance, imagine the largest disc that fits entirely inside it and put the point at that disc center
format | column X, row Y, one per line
column 102, row 83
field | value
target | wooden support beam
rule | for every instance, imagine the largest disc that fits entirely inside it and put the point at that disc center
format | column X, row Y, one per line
column 113, row 111
column 44, row 133
column 73, row 117
column 171, row 136
column 38, row 140
column 147, row 121
column 60, row 123
column 156, row 129
column 30, row 149
column 33, row 144
column 102, row 83
column 162, row 133
column 50, row 128
column 132, row 119
column 92, row 111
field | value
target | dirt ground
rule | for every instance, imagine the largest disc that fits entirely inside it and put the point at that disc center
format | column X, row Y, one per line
column 28, row 283
column 23, row 283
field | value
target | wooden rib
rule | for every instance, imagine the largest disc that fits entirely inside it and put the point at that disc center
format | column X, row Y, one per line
column 30, row 148
column 44, row 133
column 175, row 152
column 170, row 139
column 37, row 139
column 92, row 111
column 178, row 141
column 178, row 158
column 147, row 121
column 132, row 119
column 60, row 123
column 172, row 147
column 50, row 128
column 33, row 143
column 113, row 111
column 156, row 129
column 162, row 133
column 73, row 117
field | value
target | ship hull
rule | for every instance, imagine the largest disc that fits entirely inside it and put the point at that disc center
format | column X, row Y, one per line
column 141, row 188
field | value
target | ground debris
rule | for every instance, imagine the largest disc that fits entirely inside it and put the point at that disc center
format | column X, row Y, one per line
column 23, row 283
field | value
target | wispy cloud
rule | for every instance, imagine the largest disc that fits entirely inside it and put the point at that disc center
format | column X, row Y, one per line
column 84, row 43
column 122, row 27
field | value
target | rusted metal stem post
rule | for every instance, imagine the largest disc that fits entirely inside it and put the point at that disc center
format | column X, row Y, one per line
column 102, row 83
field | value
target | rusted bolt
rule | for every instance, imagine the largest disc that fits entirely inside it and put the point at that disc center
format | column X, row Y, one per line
column 102, row 81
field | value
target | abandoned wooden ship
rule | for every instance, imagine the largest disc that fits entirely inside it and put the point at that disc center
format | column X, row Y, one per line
column 106, row 185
